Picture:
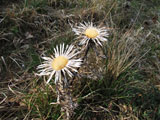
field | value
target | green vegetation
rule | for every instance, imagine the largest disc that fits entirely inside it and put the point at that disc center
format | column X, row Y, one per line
column 124, row 86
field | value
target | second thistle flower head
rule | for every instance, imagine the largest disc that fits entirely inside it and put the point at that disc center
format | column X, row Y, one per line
column 62, row 62
column 87, row 32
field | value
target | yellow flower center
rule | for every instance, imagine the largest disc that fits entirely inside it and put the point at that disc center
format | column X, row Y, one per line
column 91, row 32
column 59, row 63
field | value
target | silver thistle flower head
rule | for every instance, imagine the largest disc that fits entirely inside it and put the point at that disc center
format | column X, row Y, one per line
column 88, row 31
column 62, row 62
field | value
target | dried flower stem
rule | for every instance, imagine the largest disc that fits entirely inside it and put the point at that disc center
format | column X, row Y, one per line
column 64, row 96
column 65, row 99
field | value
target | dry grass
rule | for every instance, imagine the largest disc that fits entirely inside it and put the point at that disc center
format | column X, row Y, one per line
column 123, row 86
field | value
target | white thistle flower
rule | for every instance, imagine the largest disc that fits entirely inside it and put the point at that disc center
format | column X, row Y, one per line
column 61, row 63
column 88, row 31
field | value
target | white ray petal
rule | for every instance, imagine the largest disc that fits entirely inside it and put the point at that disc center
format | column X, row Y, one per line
column 50, row 77
column 58, row 53
column 69, row 49
column 46, row 58
column 73, row 69
column 56, row 77
column 63, row 48
column 69, row 73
